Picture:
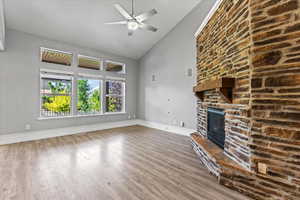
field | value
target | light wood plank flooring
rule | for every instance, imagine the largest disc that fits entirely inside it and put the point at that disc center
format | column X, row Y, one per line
column 132, row 163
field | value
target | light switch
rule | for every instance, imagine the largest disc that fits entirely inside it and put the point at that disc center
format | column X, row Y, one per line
column 153, row 78
column 189, row 72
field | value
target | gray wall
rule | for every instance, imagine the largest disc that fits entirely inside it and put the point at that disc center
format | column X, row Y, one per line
column 2, row 25
column 19, row 83
column 170, row 99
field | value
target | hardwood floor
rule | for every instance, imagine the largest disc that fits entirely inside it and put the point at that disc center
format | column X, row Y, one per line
column 132, row 163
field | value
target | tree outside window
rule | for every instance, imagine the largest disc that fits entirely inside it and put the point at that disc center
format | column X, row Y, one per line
column 56, row 95
column 88, row 96
column 115, row 94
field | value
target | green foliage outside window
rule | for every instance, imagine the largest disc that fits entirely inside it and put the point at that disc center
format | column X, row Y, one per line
column 83, row 95
column 94, row 101
column 60, row 102
column 88, row 98
column 114, row 104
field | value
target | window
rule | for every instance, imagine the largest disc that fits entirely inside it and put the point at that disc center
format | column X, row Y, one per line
column 114, row 96
column 56, row 57
column 71, row 93
column 88, row 96
column 89, row 62
column 111, row 66
column 56, row 95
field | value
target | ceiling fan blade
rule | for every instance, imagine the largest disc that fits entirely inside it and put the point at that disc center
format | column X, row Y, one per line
column 123, row 12
column 144, row 16
column 115, row 23
column 148, row 27
column 130, row 32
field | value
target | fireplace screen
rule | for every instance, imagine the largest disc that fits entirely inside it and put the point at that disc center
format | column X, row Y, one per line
column 216, row 126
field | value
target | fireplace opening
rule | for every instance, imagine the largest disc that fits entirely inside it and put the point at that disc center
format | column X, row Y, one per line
column 216, row 126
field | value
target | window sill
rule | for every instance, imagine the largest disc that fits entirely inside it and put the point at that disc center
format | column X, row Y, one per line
column 80, row 116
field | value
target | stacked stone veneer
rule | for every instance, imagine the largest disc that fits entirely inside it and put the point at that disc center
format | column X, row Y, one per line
column 258, row 43
column 224, row 50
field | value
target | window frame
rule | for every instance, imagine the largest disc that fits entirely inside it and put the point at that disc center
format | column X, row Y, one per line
column 60, row 76
column 42, row 49
column 74, row 74
column 123, row 96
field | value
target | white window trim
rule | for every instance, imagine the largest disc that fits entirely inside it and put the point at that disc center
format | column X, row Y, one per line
column 56, row 71
column 91, row 76
column 113, row 78
column 55, row 50
column 80, row 116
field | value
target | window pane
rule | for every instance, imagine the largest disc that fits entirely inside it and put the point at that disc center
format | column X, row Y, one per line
column 88, row 95
column 56, row 57
column 89, row 62
column 56, row 106
column 114, row 88
column 114, row 104
column 55, row 97
column 56, row 86
column 114, row 67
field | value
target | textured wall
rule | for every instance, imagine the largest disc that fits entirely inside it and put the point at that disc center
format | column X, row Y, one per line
column 224, row 50
column 258, row 43
column 275, row 93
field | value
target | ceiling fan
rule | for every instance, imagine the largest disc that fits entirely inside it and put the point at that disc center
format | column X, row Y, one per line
column 134, row 22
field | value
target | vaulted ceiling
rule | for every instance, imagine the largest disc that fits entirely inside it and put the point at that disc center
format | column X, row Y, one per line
column 81, row 22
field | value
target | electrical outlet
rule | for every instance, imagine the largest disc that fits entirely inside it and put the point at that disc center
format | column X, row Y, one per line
column 27, row 127
column 262, row 168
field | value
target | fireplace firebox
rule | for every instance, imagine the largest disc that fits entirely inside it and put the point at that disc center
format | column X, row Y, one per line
column 216, row 126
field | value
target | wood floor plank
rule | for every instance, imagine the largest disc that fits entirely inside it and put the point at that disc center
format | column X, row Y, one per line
column 131, row 163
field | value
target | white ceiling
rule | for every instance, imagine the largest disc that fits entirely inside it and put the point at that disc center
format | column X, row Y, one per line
column 81, row 22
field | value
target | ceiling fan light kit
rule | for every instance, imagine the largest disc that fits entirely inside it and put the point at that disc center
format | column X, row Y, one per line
column 134, row 22
column 132, row 25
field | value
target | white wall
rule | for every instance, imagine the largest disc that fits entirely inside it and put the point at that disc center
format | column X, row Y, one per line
column 19, row 83
column 170, row 99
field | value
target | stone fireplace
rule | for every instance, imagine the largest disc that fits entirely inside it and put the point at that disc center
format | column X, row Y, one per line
column 248, row 61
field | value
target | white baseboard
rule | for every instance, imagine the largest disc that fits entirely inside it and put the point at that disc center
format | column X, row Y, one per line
column 168, row 128
column 50, row 133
